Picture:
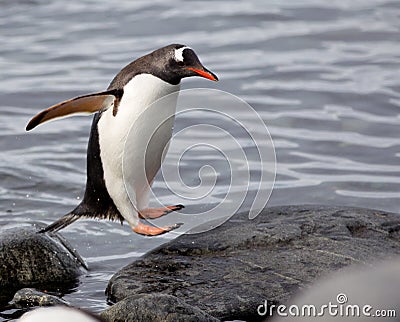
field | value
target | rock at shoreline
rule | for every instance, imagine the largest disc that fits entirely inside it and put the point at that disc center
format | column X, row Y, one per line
column 229, row 271
column 155, row 307
column 31, row 259
column 28, row 297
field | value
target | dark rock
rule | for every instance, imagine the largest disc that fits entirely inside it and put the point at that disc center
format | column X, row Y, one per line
column 229, row 271
column 360, row 291
column 28, row 297
column 155, row 307
column 31, row 259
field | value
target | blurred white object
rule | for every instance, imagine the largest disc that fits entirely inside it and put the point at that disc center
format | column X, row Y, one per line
column 58, row 314
column 357, row 293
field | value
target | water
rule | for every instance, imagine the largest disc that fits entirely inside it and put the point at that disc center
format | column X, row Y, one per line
column 324, row 76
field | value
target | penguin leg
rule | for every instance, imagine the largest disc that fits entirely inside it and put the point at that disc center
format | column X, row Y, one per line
column 142, row 201
column 147, row 230
column 152, row 213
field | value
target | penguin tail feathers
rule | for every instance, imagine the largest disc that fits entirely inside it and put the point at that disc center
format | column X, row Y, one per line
column 61, row 223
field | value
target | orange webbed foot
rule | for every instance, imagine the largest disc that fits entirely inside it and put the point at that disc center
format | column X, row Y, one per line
column 148, row 230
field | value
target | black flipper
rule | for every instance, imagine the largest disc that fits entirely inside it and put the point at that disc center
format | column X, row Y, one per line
column 90, row 103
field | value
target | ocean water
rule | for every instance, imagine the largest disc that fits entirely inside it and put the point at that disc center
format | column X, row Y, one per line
column 322, row 75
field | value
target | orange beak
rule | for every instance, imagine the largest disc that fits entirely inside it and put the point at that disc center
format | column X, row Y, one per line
column 204, row 73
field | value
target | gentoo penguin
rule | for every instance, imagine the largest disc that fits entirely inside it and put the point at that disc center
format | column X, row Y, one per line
column 129, row 94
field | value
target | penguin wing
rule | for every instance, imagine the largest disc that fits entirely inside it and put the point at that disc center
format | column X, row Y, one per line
column 90, row 103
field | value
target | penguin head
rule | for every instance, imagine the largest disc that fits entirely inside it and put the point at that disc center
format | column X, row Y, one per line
column 174, row 62
column 185, row 63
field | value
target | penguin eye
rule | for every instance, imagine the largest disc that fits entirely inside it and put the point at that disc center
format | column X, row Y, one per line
column 180, row 63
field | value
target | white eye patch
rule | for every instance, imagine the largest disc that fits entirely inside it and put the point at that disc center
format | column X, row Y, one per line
column 179, row 54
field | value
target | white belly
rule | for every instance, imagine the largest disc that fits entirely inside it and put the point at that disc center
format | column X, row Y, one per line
column 129, row 162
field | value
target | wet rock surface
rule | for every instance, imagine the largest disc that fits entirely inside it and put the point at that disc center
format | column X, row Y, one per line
column 229, row 271
column 32, row 259
column 155, row 307
column 29, row 297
